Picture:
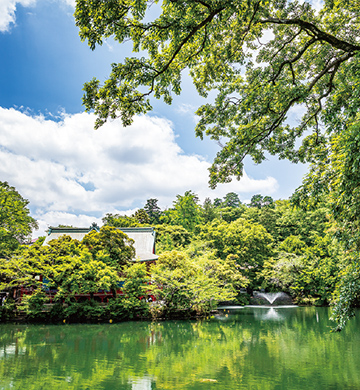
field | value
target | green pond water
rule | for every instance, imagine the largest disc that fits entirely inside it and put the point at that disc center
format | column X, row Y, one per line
column 250, row 348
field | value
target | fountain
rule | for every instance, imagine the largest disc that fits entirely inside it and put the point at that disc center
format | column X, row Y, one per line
column 271, row 298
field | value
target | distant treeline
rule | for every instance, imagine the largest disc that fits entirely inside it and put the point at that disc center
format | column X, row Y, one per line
column 208, row 253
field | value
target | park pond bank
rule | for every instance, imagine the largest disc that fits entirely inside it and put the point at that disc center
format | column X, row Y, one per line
column 248, row 348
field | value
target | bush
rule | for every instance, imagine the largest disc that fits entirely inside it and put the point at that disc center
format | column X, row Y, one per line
column 127, row 307
column 34, row 305
column 8, row 310
column 84, row 311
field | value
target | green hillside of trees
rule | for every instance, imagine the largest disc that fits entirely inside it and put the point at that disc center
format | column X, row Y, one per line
column 220, row 250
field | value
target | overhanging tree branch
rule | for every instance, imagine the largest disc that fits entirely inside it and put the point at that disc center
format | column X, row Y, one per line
column 314, row 31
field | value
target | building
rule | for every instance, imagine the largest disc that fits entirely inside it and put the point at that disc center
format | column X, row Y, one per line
column 144, row 238
column 144, row 245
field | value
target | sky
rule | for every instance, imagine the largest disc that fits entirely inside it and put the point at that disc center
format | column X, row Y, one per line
column 72, row 174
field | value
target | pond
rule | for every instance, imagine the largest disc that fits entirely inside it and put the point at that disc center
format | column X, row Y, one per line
column 250, row 348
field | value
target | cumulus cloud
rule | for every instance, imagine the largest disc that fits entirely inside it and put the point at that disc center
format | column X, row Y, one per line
column 7, row 12
column 71, row 3
column 72, row 174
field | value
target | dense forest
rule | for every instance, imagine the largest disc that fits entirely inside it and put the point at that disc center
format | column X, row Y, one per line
column 220, row 250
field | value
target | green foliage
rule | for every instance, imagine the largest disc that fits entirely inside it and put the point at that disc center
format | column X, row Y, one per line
column 267, row 217
column 16, row 224
column 153, row 211
column 40, row 240
column 83, row 275
column 231, row 214
column 112, row 242
column 285, row 220
column 271, row 245
column 8, row 243
column 231, row 199
column 165, row 243
column 120, row 221
column 88, row 266
column 347, row 295
column 56, row 249
column 7, row 310
column 228, row 270
column 168, row 217
column 334, row 176
column 133, row 303
column 187, row 285
column 293, row 244
column 186, row 212
column 309, row 274
column 311, row 59
column 71, row 267
column 217, row 202
column 142, row 217
column 33, row 305
column 260, row 201
column 20, row 271
column 168, row 236
column 83, row 311
column 208, row 211
column 248, row 241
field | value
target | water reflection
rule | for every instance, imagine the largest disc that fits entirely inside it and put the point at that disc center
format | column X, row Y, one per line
column 140, row 383
column 10, row 350
column 252, row 348
column 270, row 314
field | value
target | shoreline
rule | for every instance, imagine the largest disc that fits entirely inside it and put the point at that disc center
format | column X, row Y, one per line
column 23, row 318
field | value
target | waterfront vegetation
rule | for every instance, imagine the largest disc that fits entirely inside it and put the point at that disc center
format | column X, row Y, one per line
column 218, row 251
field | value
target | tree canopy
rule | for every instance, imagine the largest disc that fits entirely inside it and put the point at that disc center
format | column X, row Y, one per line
column 186, row 211
column 262, row 57
column 16, row 224
column 248, row 241
column 153, row 210
column 195, row 283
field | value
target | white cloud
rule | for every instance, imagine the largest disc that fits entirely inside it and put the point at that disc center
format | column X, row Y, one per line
column 71, row 3
column 70, row 172
column 188, row 110
column 7, row 12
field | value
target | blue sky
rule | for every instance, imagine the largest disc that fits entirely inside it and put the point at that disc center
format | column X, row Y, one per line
column 72, row 174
